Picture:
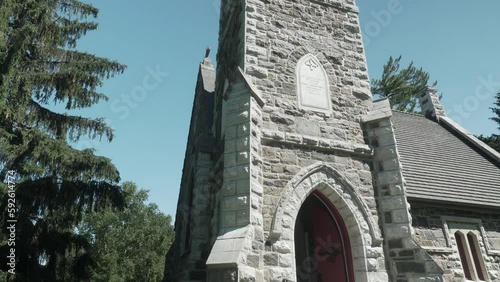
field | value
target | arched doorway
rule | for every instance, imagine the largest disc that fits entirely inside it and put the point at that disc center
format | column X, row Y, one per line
column 322, row 249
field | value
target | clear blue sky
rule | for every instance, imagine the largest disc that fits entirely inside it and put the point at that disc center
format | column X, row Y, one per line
column 456, row 41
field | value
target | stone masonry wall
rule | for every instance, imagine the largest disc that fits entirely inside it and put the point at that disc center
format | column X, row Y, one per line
column 281, row 138
column 290, row 175
column 186, row 258
column 277, row 35
column 230, row 54
column 234, row 194
column 430, row 234
column 269, row 152
column 237, row 235
column 199, row 247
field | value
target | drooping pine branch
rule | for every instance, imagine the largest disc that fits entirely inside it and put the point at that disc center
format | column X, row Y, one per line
column 496, row 110
column 35, row 154
column 63, row 125
column 401, row 87
column 50, row 198
column 48, row 212
column 38, row 68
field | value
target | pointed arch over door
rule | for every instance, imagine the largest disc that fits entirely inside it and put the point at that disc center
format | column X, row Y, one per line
column 364, row 234
column 322, row 246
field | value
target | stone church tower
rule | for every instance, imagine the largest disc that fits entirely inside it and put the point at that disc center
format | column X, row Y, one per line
column 284, row 133
column 291, row 171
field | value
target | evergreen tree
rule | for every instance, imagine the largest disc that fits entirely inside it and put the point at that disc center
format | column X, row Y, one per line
column 401, row 87
column 494, row 140
column 56, row 184
column 497, row 110
column 129, row 245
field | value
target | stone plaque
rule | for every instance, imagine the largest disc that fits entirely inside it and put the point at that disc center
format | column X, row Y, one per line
column 313, row 88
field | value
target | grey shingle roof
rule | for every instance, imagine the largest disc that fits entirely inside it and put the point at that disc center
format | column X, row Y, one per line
column 438, row 165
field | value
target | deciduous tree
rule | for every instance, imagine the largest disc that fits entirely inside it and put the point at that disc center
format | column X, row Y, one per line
column 129, row 245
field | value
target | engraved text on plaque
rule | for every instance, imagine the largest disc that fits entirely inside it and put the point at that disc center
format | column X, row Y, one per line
column 312, row 85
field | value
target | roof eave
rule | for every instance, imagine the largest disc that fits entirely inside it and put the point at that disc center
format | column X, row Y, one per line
column 453, row 204
column 469, row 137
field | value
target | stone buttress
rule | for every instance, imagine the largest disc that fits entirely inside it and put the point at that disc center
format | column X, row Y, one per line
column 405, row 259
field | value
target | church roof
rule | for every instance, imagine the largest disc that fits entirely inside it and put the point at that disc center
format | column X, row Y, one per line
column 440, row 165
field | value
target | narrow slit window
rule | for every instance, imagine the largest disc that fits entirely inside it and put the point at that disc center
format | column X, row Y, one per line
column 469, row 241
column 464, row 258
column 474, row 248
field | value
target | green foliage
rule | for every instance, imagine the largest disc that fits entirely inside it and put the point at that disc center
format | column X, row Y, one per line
column 56, row 184
column 496, row 110
column 401, row 87
column 494, row 140
column 129, row 245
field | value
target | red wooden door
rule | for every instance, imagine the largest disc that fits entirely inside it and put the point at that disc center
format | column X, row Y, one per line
column 328, row 247
column 322, row 244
